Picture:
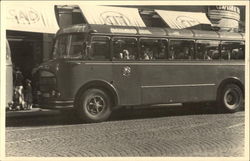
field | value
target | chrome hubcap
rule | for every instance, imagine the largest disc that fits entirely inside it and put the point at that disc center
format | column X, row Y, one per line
column 95, row 105
column 232, row 99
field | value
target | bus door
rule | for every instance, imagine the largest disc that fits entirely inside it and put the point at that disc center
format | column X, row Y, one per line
column 126, row 78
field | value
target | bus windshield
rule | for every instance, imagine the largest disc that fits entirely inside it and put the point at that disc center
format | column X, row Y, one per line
column 69, row 46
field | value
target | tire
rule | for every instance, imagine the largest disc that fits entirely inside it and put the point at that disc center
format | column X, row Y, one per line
column 94, row 105
column 230, row 98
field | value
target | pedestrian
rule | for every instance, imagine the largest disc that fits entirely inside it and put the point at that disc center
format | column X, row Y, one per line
column 28, row 94
column 18, row 90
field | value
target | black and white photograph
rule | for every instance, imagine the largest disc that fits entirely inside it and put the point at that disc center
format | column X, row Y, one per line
column 121, row 79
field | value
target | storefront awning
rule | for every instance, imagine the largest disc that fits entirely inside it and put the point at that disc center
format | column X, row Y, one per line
column 33, row 17
column 180, row 20
column 117, row 16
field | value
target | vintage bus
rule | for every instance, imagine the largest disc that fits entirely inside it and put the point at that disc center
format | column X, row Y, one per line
column 9, row 76
column 95, row 69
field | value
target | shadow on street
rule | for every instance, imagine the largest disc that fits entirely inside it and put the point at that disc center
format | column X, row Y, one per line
column 121, row 114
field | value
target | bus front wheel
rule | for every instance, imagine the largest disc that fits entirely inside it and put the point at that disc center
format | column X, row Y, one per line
column 94, row 106
column 231, row 98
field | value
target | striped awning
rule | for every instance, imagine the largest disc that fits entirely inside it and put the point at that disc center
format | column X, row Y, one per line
column 115, row 16
column 181, row 20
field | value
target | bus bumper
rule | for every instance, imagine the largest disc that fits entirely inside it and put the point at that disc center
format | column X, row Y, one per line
column 55, row 104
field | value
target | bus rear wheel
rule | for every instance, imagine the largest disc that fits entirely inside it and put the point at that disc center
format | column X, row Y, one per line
column 231, row 98
column 94, row 106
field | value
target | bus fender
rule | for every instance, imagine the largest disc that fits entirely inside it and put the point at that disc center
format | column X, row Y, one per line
column 233, row 80
column 101, row 84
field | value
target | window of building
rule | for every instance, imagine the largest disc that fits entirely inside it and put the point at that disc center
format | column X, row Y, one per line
column 153, row 49
column 207, row 50
column 181, row 49
column 124, row 48
column 100, row 48
column 232, row 50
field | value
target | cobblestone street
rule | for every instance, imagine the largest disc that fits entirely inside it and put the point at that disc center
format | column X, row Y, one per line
column 170, row 131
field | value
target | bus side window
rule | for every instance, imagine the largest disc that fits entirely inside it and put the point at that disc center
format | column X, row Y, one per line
column 153, row 49
column 181, row 49
column 100, row 48
column 232, row 50
column 124, row 48
column 207, row 50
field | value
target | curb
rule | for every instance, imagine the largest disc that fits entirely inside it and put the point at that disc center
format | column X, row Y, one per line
column 33, row 112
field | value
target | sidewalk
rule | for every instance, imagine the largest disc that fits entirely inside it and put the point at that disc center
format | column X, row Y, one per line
column 33, row 112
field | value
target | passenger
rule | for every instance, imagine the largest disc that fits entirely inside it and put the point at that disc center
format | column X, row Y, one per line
column 184, row 54
column 206, row 56
column 235, row 54
column 199, row 53
column 191, row 53
column 171, row 53
column 28, row 94
column 147, row 55
column 120, row 55
column 18, row 90
column 125, row 53
column 162, row 52
column 214, row 54
column 241, row 53
column 225, row 53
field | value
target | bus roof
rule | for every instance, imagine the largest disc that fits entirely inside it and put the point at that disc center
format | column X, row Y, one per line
column 151, row 31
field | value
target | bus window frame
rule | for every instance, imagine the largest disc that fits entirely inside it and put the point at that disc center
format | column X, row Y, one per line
column 153, row 38
column 231, row 41
column 126, row 37
column 110, row 48
column 171, row 39
column 196, row 47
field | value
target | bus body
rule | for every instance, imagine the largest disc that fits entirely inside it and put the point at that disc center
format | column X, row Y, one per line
column 9, row 76
column 95, row 69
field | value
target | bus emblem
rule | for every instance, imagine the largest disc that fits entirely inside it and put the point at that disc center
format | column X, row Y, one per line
column 126, row 71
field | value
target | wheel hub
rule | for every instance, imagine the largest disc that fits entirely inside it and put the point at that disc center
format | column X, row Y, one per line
column 95, row 105
column 232, row 98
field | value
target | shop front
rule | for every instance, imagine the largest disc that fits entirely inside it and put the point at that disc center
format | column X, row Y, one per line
column 30, row 30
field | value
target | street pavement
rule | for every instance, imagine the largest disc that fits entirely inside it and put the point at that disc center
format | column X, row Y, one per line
column 166, row 131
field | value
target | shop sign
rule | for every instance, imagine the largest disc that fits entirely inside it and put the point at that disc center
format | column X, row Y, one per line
column 226, row 8
column 31, row 18
column 224, row 16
